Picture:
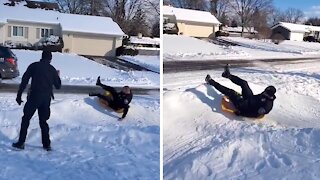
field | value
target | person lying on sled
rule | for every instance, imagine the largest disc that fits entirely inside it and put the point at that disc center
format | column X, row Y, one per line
column 247, row 104
column 119, row 100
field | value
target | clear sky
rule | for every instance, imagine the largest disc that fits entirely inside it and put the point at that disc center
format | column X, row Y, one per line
column 311, row 8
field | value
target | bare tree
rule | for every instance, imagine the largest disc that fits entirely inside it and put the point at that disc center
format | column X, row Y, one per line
column 276, row 16
column 88, row 7
column 70, row 6
column 153, row 6
column 293, row 15
column 190, row 4
column 219, row 8
column 313, row 21
column 245, row 9
column 129, row 14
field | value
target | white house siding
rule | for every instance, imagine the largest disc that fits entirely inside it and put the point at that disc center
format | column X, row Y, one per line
column 194, row 29
column 92, row 45
column 2, row 35
column 30, row 31
column 296, row 36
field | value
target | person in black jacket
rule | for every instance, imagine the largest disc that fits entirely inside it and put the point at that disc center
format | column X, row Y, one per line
column 246, row 103
column 119, row 100
column 43, row 76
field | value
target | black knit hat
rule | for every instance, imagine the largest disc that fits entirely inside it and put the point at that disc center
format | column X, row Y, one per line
column 270, row 90
column 46, row 55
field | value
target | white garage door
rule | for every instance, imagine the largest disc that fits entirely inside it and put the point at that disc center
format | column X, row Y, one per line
column 296, row 36
column 94, row 46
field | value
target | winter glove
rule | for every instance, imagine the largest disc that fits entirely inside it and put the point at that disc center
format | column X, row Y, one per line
column 237, row 113
column 261, row 111
column 18, row 99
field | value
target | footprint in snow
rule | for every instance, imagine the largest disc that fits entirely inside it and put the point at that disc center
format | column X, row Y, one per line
column 273, row 161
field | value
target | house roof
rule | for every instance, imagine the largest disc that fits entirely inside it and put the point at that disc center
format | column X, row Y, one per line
column 68, row 22
column 297, row 27
column 190, row 15
column 239, row 29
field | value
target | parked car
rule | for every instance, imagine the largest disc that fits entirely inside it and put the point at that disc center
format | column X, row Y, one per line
column 8, row 64
column 310, row 39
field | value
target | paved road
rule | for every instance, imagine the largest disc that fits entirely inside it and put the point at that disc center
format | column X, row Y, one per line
column 73, row 89
column 181, row 66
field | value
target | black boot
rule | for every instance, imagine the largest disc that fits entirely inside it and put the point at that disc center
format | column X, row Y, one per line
column 208, row 78
column 93, row 94
column 47, row 148
column 98, row 81
column 18, row 145
column 226, row 72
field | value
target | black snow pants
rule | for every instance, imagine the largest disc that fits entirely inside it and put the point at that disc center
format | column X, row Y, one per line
column 234, row 96
column 111, row 101
column 40, row 102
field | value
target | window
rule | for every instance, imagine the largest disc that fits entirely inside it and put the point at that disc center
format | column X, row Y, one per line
column 17, row 31
column 46, row 32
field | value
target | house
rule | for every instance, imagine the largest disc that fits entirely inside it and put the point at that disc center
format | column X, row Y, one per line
column 295, row 32
column 194, row 23
column 83, row 35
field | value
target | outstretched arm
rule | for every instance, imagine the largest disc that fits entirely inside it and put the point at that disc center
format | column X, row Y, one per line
column 125, row 111
column 25, row 80
column 57, row 80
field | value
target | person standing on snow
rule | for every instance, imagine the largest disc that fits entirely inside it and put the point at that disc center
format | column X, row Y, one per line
column 119, row 100
column 43, row 76
column 246, row 103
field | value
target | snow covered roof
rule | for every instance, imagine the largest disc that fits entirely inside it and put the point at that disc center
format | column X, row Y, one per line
column 89, row 24
column 297, row 27
column 68, row 22
column 239, row 29
column 167, row 10
column 144, row 40
column 190, row 15
column 3, row 21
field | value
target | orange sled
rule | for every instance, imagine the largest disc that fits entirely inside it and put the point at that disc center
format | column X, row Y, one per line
column 227, row 106
column 104, row 103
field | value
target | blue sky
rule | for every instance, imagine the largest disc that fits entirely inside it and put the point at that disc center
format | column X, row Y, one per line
column 311, row 8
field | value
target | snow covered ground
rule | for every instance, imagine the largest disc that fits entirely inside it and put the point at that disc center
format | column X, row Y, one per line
column 150, row 62
column 85, row 71
column 177, row 48
column 202, row 142
column 88, row 142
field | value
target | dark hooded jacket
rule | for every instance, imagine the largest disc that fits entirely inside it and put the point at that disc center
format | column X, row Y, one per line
column 43, row 75
column 255, row 106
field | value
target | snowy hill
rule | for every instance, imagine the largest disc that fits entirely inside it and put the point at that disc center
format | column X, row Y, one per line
column 88, row 142
column 211, row 144
column 79, row 70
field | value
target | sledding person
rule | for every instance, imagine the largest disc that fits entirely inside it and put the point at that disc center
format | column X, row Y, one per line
column 246, row 103
column 119, row 100
column 43, row 76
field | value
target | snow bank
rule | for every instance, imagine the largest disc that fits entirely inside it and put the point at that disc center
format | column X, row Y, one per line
column 88, row 142
column 212, row 144
column 177, row 48
column 78, row 70
column 188, row 48
column 150, row 62
column 295, row 47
